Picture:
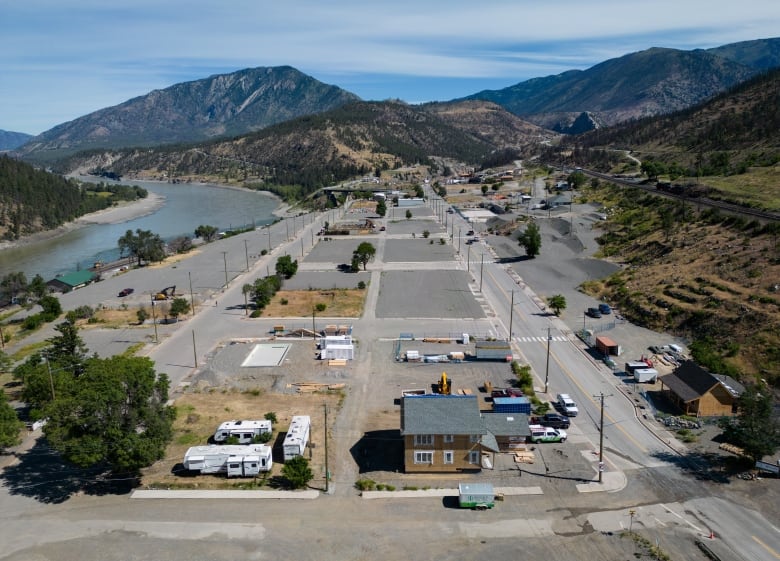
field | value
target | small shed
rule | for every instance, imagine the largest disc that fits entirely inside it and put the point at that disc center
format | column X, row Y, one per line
column 512, row 405
column 337, row 347
column 607, row 346
column 700, row 393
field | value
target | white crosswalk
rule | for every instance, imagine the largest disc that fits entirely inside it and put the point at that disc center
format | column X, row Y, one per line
column 538, row 339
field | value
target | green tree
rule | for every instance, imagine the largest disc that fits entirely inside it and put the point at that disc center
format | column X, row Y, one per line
column 246, row 290
column 408, row 214
column 179, row 306
column 14, row 287
column 143, row 245
column 557, row 303
column 381, row 207
column 286, row 266
column 754, row 428
column 142, row 315
column 38, row 287
column 364, row 253
column 206, row 233
column 51, row 307
column 576, row 179
column 426, row 234
column 297, row 472
column 10, row 425
column 67, row 350
column 531, row 240
column 116, row 414
column 484, row 189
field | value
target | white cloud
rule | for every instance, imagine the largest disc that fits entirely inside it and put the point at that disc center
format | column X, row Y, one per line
column 89, row 54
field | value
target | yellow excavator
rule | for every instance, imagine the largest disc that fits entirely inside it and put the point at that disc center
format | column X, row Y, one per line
column 165, row 293
column 445, row 384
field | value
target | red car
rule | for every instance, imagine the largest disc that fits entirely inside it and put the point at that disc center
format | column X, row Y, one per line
column 126, row 292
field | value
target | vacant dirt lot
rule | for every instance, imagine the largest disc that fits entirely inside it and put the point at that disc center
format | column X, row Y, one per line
column 301, row 303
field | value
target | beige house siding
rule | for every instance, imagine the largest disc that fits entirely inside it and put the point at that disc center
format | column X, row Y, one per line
column 461, row 447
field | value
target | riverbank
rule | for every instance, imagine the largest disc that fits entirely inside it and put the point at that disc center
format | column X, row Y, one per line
column 123, row 212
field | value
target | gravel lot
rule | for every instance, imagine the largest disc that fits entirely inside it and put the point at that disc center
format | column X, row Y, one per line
column 324, row 280
column 416, row 227
column 417, row 251
column 427, row 294
column 335, row 250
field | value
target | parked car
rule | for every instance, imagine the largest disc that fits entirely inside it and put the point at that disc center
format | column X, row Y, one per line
column 382, row 229
column 593, row 312
column 506, row 392
column 605, row 309
column 126, row 292
column 470, row 233
column 547, row 434
column 553, row 420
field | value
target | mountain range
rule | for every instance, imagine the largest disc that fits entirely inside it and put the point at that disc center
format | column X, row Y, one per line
column 650, row 82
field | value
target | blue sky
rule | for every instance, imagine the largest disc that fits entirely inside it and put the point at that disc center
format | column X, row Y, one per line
column 61, row 59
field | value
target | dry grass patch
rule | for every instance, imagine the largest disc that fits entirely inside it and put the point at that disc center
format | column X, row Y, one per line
column 199, row 414
column 300, row 303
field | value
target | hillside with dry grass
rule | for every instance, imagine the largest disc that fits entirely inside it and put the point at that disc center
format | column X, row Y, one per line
column 712, row 278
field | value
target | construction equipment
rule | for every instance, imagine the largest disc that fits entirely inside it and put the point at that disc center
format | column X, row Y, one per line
column 165, row 293
column 445, row 385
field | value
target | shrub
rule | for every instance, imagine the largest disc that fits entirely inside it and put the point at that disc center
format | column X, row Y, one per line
column 283, row 301
column 365, row 485
column 320, row 307
column 361, row 285
column 270, row 416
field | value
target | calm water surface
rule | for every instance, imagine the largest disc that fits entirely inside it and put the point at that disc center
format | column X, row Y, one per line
column 186, row 207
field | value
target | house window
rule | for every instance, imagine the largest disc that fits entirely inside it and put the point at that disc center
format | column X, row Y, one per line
column 474, row 457
column 449, row 457
column 423, row 457
column 423, row 440
column 474, row 438
column 449, row 438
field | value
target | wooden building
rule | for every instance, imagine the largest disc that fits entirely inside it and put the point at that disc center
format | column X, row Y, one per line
column 442, row 433
column 699, row 393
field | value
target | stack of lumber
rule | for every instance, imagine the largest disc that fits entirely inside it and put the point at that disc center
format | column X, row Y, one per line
column 464, row 391
column 524, row 457
column 731, row 448
column 337, row 362
column 311, row 387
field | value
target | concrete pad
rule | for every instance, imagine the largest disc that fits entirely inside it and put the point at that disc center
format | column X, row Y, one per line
column 271, row 354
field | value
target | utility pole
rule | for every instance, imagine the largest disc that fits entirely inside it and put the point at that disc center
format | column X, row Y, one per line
column 547, row 367
column 481, row 265
column 601, row 437
column 468, row 259
column 154, row 321
column 224, row 258
column 192, row 298
column 246, row 252
column 327, row 471
column 269, row 238
column 51, row 379
column 194, row 351
column 458, row 240
column 511, row 313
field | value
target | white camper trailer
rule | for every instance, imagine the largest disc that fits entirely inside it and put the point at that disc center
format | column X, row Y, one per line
column 245, row 431
column 234, row 460
column 297, row 437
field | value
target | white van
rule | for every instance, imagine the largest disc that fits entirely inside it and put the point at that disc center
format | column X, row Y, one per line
column 567, row 405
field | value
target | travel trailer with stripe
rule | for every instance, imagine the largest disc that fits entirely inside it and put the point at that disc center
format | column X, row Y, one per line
column 297, row 437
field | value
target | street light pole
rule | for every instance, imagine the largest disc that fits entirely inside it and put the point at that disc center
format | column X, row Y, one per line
column 468, row 259
column 547, row 367
column 192, row 298
column 601, row 439
column 224, row 258
column 246, row 252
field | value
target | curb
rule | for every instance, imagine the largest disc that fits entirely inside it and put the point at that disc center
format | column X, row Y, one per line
column 209, row 494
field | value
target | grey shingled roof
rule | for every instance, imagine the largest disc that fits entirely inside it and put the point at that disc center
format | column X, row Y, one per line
column 441, row 414
column 690, row 381
column 507, row 424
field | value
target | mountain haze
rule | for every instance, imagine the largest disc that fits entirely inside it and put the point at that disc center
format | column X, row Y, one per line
column 10, row 140
column 217, row 106
column 649, row 82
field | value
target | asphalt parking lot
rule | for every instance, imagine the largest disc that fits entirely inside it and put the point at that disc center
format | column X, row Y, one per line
column 427, row 294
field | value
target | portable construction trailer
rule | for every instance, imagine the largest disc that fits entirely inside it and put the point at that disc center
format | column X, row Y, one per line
column 645, row 375
column 244, row 431
column 634, row 365
column 607, row 346
column 494, row 350
column 297, row 437
column 244, row 460
column 476, row 495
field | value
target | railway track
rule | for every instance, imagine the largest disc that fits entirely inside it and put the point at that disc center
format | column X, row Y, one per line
column 699, row 201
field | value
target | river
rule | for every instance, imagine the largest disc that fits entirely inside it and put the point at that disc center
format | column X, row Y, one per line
column 186, row 207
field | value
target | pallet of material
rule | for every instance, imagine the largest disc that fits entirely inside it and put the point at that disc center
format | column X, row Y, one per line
column 736, row 450
column 311, row 387
column 337, row 362
column 524, row 457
